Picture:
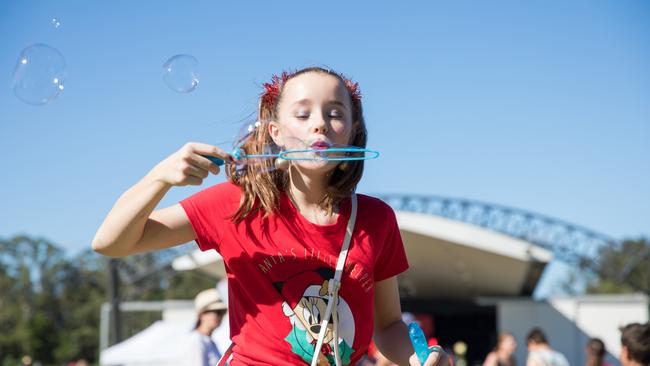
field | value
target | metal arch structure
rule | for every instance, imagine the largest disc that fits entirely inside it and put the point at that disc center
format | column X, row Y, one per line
column 572, row 244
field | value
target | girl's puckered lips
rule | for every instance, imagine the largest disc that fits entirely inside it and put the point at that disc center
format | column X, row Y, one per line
column 320, row 145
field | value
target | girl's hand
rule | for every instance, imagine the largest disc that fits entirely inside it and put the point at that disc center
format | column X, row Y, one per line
column 437, row 357
column 187, row 166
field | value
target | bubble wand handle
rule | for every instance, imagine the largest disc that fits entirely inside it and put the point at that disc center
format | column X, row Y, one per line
column 419, row 342
column 216, row 161
column 236, row 153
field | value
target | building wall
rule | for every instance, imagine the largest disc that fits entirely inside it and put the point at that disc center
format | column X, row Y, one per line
column 570, row 322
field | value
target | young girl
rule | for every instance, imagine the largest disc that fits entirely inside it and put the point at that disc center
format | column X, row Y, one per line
column 283, row 232
column 503, row 353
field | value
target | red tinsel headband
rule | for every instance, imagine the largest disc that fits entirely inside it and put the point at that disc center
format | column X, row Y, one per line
column 272, row 89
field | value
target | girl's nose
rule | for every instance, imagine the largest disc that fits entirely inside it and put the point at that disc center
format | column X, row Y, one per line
column 320, row 126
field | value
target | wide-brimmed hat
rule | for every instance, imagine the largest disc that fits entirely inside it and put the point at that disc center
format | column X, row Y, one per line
column 208, row 300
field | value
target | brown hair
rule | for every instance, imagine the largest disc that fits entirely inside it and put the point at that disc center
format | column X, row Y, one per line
column 536, row 336
column 262, row 183
column 595, row 352
column 636, row 338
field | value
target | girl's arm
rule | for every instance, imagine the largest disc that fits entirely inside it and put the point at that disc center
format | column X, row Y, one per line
column 491, row 359
column 132, row 225
column 391, row 334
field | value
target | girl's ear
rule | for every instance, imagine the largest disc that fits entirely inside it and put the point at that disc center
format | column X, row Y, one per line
column 624, row 354
column 275, row 132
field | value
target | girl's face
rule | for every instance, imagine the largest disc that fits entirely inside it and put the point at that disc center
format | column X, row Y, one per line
column 509, row 344
column 212, row 319
column 314, row 113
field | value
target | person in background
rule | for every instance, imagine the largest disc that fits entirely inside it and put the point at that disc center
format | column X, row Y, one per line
column 502, row 354
column 210, row 311
column 635, row 345
column 596, row 353
column 540, row 353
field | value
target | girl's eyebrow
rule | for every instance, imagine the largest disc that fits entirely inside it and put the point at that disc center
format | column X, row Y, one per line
column 338, row 103
column 304, row 101
column 307, row 101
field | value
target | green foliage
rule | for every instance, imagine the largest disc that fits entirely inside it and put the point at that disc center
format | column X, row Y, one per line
column 45, row 310
column 50, row 303
column 624, row 269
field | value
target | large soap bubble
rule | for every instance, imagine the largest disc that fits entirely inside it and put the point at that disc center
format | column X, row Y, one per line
column 39, row 75
column 180, row 73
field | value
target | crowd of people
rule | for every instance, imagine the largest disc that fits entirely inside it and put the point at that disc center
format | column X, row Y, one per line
column 635, row 350
column 635, row 343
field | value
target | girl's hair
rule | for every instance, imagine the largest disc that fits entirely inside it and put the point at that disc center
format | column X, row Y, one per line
column 595, row 352
column 262, row 183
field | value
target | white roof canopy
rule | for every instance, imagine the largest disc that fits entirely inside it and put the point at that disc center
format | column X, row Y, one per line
column 448, row 259
column 452, row 259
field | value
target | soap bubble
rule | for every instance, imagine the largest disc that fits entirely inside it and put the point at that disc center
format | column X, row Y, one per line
column 180, row 73
column 39, row 75
column 55, row 23
column 321, row 151
column 253, row 155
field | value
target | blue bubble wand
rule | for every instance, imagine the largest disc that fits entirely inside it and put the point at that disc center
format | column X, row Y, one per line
column 419, row 342
column 360, row 153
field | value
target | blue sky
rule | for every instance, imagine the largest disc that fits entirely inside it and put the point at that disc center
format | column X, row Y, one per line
column 539, row 105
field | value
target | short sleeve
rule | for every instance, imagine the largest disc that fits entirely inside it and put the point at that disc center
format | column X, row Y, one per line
column 209, row 212
column 391, row 260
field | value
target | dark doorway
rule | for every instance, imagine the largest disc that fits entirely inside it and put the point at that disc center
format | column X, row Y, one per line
column 473, row 324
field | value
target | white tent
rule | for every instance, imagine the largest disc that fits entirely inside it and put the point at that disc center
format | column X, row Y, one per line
column 162, row 343
column 165, row 341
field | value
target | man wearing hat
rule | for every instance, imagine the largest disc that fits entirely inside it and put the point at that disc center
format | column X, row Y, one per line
column 210, row 311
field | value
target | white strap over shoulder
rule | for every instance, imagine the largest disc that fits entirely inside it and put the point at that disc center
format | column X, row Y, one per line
column 332, row 296
column 333, row 292
column 226, row 355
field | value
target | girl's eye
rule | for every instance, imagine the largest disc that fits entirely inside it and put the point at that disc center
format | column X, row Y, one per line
column 302, row 115
column 335, row 114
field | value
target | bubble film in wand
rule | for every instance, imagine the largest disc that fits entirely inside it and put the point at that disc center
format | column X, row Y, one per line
column 338, row 153
column 347, row 153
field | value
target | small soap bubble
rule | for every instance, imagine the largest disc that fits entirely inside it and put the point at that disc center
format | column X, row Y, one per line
column 39, row 75
column 180, row 73
column 55, row 23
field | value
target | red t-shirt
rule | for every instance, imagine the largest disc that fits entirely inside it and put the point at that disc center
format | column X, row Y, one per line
column 277, row 270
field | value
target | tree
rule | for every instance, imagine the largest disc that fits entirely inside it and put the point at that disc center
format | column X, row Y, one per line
column 623, row 269
column 50, row 303
column 31, row 309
